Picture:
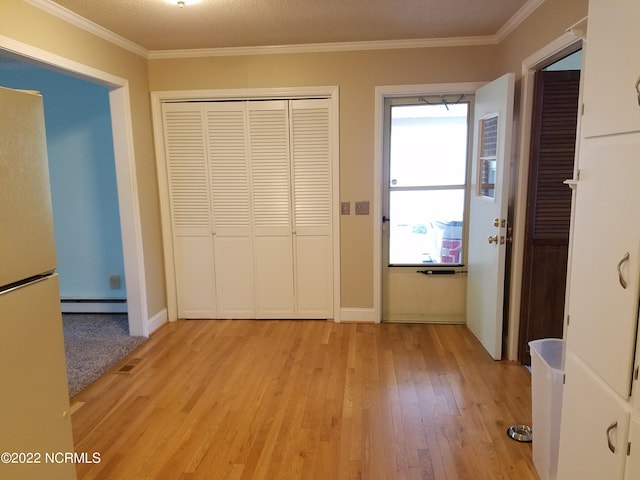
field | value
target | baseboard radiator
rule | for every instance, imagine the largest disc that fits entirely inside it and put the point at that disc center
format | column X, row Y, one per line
column 94, row 305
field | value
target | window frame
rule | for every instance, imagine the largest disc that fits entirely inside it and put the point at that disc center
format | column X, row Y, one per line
column 450, row 98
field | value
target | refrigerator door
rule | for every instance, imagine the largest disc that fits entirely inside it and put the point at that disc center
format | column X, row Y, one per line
column 27, row 245
column 34, row 402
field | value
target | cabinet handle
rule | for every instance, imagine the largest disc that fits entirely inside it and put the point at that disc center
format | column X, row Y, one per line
column 621, row 279
column 638, row 89
column 611, row 428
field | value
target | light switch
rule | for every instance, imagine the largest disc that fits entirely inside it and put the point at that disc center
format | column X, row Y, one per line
column 362, row 208
column 345, row 208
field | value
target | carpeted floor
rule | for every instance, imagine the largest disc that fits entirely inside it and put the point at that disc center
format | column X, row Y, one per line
column 93, row 343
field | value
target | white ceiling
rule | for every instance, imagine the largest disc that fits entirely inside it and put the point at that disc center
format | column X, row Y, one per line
column 156, row 25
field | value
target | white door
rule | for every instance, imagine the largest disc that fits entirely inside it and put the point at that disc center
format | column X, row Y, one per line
column 426, row 156
column 268, row 135
column 186, row 156
column 231, row 206
column 488, row 204
column 311, row 145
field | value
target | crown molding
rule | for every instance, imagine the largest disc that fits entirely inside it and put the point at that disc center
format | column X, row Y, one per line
column 87, row 25
column 325, row 47
column 91, row 27
column 519, row 17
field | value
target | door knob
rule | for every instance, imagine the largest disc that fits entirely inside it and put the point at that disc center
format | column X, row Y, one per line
column 493, row 239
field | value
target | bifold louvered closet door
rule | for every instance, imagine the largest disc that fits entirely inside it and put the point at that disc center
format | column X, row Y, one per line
column 250, row 196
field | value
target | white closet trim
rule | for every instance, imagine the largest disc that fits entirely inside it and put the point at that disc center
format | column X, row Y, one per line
column 160, row 97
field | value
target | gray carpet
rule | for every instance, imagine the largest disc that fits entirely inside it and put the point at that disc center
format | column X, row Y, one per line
column 93, row 343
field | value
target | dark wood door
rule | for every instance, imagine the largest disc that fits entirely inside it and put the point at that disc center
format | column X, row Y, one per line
column 548, row 207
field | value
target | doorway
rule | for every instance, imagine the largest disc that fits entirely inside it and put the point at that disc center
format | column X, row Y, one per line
column 426, row 156
column 549, row 199
column 130, row 221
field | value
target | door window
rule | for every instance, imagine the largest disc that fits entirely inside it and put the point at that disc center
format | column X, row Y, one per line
column 426, row 168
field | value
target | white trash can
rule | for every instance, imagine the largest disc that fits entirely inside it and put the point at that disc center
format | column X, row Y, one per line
column 547, row 374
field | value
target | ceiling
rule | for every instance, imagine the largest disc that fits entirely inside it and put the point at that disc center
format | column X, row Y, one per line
column 156, row 25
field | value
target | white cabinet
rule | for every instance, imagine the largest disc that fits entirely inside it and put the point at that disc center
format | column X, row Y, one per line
column 603, row 305
column 612, row 68
column 598, row 422
column 601, row 403
column 632, row 470
column 250, row 194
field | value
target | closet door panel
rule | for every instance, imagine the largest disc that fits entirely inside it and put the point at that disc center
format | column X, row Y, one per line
column 312, row 200
column 314, row 273
column 195, row 282
column 274, row 277
column 187, row 171
column 271, row 206
column 231, row 205
column 235, row 277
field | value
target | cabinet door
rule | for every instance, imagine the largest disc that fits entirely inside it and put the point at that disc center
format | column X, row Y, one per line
column 594, row 428
column 312, row 203
column 603, row 299
column 271, row 206
column 632, row 469
column 230, row 199
column 612, row 68
column 186, row 158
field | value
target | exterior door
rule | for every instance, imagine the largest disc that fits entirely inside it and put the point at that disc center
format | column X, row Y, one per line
column 426, row 158
column 488, row 207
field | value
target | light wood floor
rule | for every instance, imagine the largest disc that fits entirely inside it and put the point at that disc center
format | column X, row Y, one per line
column 306, row 399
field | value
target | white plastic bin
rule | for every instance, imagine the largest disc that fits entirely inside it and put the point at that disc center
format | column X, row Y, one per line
column 547, row 373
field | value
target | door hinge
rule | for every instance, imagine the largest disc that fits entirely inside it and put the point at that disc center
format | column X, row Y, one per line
column 582, row 109
column 636, row 372
column 564, row 378
column 568, row 320
column 628, row 449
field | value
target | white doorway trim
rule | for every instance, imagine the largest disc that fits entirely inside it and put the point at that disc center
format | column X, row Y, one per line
column 130, row 224
column 559, row 48
column 158, row 97
column 381, row 93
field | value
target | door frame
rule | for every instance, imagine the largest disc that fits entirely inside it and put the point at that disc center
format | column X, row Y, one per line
column 381, row 93
column 128, row 202
column 160, row 97
column 568, row 43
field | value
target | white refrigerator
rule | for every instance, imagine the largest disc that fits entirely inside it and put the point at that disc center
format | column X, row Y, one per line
column 35, row 423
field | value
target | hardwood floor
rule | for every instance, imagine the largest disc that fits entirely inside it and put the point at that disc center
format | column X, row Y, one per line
column 306, row 399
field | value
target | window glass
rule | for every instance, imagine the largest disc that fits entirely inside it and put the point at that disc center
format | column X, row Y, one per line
column 427, row 182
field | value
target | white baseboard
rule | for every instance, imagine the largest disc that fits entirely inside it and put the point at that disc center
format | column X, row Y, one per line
column 364, row 315
column 93, row 306
column 433, row 319
column 158, row 320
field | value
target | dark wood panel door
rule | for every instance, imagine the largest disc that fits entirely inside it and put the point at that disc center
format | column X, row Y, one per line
column 548, row 207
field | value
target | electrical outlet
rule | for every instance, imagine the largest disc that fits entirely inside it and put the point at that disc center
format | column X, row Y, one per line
column 114, row 282
column 345, row 208
column 362, row 208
